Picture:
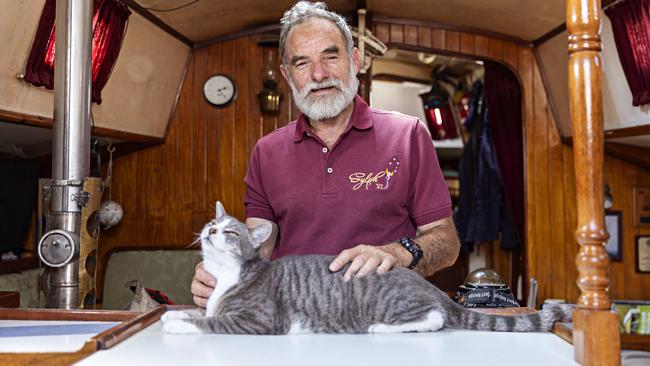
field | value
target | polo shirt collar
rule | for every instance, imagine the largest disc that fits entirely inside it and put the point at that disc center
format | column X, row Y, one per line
column 361, row 119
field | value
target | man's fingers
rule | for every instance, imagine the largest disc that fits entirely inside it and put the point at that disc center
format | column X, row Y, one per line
column 341, row 260
column 369, row 266
column 203, row 276
column 200, row 289
column 386, row 265
column 202, row 286
column 357, row 263
column 200, row 302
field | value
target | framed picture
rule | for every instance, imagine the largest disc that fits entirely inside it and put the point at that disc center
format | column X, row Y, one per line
column 643, row 254
column 614, row 246
column 641, row 206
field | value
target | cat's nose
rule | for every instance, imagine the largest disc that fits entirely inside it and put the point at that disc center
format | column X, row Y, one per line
column 212, row 231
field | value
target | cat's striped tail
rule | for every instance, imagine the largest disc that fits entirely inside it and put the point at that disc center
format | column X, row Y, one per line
column 541, row 321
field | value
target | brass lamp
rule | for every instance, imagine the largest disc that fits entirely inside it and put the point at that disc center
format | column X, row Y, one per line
column 270, row 96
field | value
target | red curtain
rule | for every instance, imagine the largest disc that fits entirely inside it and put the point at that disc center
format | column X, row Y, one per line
column 109, row 24
column 503, row 100
column 631, row 27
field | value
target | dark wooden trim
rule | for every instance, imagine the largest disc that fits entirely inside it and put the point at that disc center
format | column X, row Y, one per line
column 10, row 299
column 641, row 130
column 399, row 79
column 19, row 265
column 75, row 314
column 547, row 87
column 25, row 119
column 117, row 334
column 188, row 61
column 124, row 148
column 381, row 18
column 636, row 155
column 562, row 27
column 45, row 122
column 607, row 3
column 552, row 33
column 563, row 331
column 458, row 54
column 155, row 20
column 244, row 33
column 128, row 136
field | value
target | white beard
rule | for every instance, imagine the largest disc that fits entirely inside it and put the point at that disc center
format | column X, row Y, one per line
column 318, row 108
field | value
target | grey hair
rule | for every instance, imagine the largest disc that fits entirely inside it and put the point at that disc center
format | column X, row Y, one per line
column 304, row 10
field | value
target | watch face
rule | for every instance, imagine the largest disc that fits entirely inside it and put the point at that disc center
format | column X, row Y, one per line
column 219, row 90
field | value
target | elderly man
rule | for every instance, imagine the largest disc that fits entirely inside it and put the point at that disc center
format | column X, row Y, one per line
column 343, row 179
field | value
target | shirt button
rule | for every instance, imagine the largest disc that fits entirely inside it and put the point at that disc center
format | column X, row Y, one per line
column 325, row 150
column 330, row 170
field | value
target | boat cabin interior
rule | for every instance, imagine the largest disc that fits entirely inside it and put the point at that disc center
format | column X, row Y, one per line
column 120, row 131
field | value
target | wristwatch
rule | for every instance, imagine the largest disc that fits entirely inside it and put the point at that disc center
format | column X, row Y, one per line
column 413, row 248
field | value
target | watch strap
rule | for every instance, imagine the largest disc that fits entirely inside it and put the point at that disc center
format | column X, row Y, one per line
column 413, row 248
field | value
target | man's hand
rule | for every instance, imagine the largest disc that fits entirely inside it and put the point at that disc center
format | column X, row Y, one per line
column 202, row 286
column 368, row 258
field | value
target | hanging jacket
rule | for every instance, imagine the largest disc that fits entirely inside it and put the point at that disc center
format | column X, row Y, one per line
column 481, row 213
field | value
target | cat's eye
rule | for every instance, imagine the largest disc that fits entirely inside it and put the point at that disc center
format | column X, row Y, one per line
column 212, row 231
column 231, row 233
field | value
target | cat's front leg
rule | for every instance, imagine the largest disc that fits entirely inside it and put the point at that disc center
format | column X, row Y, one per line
column 180, row 326
column 181, row 314
column 179, row 321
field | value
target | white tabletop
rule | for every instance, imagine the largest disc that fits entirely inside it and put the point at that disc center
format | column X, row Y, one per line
column 154, row 347
column 48, row 335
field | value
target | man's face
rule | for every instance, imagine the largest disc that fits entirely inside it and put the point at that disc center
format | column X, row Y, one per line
column 321, row 74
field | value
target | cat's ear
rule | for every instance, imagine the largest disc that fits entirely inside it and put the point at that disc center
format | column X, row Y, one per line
column 220, row 211
column 260, row 233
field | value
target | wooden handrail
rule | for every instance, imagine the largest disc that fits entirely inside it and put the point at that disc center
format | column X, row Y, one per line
column 596, row 336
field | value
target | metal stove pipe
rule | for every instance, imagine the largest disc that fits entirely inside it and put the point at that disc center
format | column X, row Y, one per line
column 59, row 247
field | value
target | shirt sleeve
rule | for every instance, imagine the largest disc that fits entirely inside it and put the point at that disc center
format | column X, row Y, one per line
column 429, row 198
column 255, row 200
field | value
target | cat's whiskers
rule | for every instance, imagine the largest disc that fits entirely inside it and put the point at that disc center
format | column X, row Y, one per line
column 198, row 239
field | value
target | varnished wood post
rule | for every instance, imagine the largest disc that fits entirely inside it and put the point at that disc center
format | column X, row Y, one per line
column 596, row 336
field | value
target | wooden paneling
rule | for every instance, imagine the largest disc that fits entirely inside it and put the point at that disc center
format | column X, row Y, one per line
column 168, row 191
column 550, row 247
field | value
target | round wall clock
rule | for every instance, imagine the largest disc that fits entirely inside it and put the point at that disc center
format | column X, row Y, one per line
column 220, row 90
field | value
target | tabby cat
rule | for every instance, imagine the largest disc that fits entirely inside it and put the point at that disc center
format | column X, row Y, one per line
column 298, row 294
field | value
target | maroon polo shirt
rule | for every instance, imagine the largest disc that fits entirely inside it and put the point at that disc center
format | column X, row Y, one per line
column 379, row 181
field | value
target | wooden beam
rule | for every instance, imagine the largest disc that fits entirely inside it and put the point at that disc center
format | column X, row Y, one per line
column 633, row 154
column 596, row 336
column 562, row 27
column 552, row 33
column 275, row 27
column 641, row 130
column 45, row 122
column 157, row 21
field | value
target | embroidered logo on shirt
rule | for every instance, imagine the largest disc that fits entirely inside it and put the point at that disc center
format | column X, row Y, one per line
column 379, row 180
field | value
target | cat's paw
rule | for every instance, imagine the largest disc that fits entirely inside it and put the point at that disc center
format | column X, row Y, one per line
column 176, row 326
column 183, row 314
column 175, row 315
